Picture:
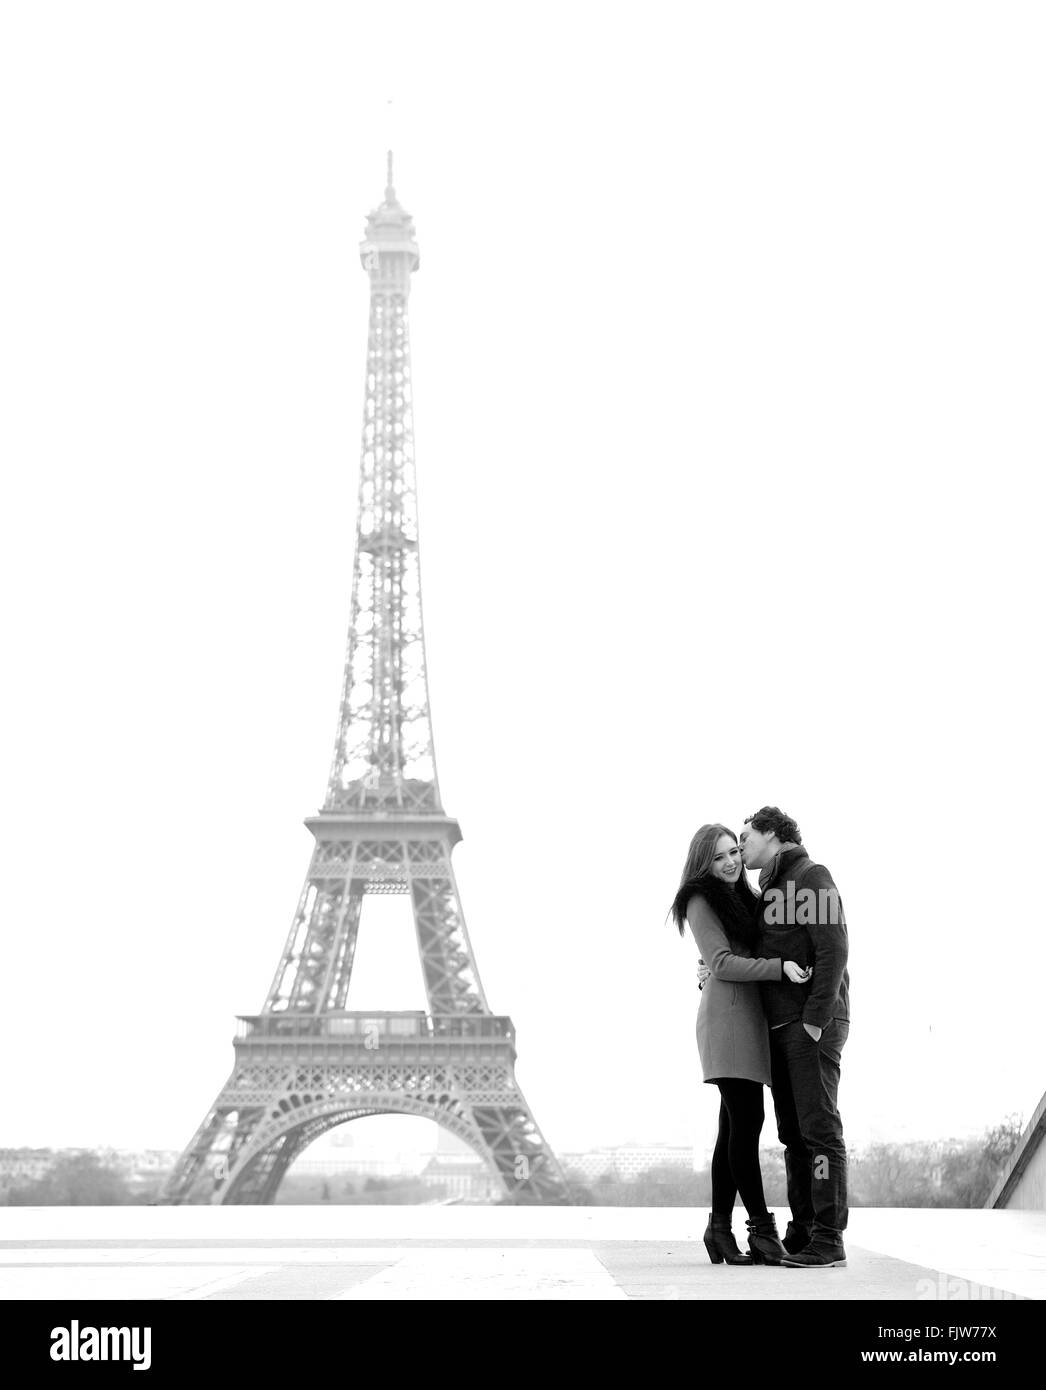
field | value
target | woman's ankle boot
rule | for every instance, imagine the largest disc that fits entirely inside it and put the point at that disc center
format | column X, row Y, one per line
column 763, row 1241
column 720, row 1242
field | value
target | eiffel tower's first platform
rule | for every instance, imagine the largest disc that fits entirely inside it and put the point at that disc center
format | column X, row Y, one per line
column 305, row 1062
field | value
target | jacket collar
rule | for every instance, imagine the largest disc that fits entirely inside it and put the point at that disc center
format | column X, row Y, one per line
column 782, row 861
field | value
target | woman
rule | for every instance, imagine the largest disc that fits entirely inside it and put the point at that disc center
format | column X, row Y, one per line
column 714, row 899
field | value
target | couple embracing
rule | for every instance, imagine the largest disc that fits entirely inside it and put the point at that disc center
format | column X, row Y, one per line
column 774, row 1012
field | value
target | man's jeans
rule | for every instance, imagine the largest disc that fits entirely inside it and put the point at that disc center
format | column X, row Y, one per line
column 805, row 1076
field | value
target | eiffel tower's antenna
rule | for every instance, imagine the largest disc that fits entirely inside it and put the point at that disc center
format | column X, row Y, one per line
column 306, row 1063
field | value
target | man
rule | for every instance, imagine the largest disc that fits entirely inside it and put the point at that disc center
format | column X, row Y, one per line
column 802, row 920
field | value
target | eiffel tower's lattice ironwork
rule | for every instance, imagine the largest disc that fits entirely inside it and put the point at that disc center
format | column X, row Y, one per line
column 306, row 1063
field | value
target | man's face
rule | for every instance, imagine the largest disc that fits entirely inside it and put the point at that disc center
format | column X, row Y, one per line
column 757, row 847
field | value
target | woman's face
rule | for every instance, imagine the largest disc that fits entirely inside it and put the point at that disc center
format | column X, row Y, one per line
column 727, row 862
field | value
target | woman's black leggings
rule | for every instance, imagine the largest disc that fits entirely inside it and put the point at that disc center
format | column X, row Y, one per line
column 735, row 1158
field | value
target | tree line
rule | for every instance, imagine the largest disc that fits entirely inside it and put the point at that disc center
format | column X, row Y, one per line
column 949, row 1174
column 954, row 1173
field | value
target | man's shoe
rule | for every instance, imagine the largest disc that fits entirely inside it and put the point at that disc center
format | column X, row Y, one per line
column 796, row 1238
column 819, row 1254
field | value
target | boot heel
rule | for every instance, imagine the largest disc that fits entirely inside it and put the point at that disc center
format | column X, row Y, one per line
column 713, row 1252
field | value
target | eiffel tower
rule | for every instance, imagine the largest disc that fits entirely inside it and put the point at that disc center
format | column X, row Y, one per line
column 306, row 1063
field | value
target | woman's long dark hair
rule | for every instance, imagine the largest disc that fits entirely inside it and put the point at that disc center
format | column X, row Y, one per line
column 733, row 903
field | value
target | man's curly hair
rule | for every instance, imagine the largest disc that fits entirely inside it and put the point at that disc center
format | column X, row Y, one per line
column 771, row 820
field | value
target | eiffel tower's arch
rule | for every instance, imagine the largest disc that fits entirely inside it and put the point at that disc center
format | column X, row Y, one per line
column 261, row 1166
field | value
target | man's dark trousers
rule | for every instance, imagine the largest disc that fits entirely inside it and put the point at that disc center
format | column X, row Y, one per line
column 805, row 1088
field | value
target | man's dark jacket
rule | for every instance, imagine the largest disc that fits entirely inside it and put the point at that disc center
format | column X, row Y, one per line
column 809, row 928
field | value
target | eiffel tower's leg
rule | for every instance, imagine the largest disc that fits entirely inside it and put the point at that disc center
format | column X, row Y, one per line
column 523, row 1160
column 202, row 1171
column 316, row 966
column 448, row 966
column 260, row 1179
column 511, row 1139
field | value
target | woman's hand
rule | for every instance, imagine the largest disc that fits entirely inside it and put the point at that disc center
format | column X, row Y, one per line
column 703, row 973
column 796, row 973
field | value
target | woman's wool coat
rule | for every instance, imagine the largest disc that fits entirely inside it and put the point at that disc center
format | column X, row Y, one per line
column 732, row 1035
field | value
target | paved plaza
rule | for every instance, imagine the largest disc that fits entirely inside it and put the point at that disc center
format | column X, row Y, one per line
column 358, row 1253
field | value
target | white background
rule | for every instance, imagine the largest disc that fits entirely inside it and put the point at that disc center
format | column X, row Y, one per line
column 728, row 358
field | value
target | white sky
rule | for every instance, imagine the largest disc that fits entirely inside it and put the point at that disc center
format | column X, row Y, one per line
column 728, row 358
